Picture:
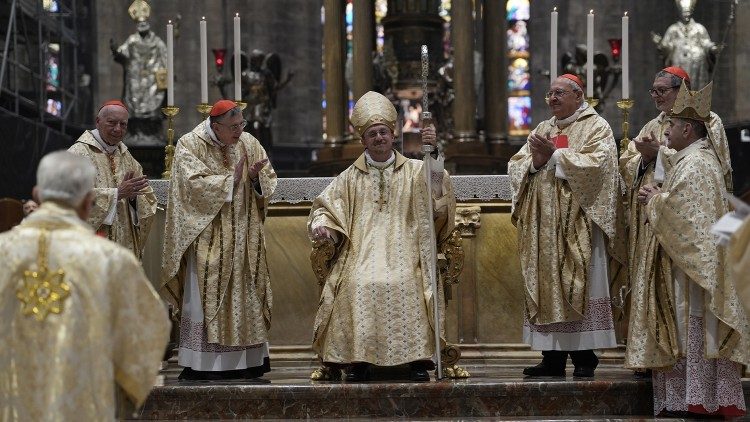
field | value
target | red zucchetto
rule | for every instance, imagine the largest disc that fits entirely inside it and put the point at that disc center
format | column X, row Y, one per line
column 573, row 78
column 677, row 71
column 117, row 103
column 221, row 107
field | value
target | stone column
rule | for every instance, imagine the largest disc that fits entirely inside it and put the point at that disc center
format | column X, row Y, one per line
column 464, row 105
column 333, row 60
column 363, row 46
column 495, row 71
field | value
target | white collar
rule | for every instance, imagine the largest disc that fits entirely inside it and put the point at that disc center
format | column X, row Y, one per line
column 380, row 164
column 212, row 135
column 105, row 147
column 572, row 118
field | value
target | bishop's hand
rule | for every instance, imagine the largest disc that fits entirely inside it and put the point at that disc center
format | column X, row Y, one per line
column 238, row 170
column 429, row 136
column 255, row 169
column 321, row 232
column 647, row 192
column 131, row 186
column 648, row 146
column 541, row 148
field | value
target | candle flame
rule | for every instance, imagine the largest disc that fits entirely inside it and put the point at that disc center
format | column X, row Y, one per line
column 169, row 22
column 591, row 12
column 203, row 18
column 554, row 9
column 626, row 13
column 237, row 14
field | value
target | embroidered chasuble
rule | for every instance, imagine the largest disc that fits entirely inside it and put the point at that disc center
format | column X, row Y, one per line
column 569, row 220
column 125, row 222
column 376, row 304
column 739, row 261
column 681, row 218
column 214, row 239
column 640, row 233
column 81, row 322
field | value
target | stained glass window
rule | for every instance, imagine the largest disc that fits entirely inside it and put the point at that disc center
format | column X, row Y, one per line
column 53, row 66
column 51, row 5
column 519, row 75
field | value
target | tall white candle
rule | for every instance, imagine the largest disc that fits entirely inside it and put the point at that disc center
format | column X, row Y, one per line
column 553, row 46
column 170, row 64
column 237, row 62
column 625, row 58
column 590, row 55
column 204, row 63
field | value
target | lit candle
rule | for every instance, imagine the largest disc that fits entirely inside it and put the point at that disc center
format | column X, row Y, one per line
column 625, row 58
column 553, row 46
column 170, row 64
column 204, row 63
column 590, row 55
column 237, row 62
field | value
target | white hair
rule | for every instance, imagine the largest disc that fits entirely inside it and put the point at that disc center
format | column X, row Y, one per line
column 64, row 177
column 574, row 86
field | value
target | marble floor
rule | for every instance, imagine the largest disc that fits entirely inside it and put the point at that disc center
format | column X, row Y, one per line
column 495, row 391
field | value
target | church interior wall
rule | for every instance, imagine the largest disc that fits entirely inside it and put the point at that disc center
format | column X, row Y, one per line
column 291, row 28
column 646, row 16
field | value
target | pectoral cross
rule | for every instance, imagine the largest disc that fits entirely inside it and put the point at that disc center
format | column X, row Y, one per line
column 381, row 201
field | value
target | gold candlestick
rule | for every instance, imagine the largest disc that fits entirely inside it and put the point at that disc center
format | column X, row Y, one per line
column 241, row 104
column 593, row 102
column 204, row 109
column 170, row 112
column 625, row 105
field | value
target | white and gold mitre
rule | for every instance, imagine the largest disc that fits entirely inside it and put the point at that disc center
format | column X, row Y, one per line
column 371, row 109
column 139, row 10
column 695, row 105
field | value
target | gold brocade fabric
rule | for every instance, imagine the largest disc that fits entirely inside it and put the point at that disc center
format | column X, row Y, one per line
column 122, row 230
column 640, row 234
column 376, row 304
column 739, row 261
column 681, row 218
column 233, row 276
column 110, row 333
column 554, row 217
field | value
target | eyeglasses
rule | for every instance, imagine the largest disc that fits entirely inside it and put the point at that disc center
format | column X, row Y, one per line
column 559, row 93
column 235, row 128
column 660, row 91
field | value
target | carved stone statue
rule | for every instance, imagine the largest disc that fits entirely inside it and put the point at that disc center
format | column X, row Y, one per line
column 261, row 82
column 143, row 56
column 687, row 44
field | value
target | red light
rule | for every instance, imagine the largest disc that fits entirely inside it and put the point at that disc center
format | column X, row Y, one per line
column 219, row 54
column 615, row 45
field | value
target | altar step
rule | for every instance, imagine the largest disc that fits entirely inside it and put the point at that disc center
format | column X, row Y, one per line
column 496, row 391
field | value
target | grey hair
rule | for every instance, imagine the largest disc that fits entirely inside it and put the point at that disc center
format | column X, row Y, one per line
column 231, row 113
column 674, row 80
column 64, row 177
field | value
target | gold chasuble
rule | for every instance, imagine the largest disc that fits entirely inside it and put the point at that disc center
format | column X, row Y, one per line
column 681, row 218
column 560, row 211
column 218, row 229
column 739, row 261
column 81, row 323
column 640, row 233
column 120, row 221
column 376, row 304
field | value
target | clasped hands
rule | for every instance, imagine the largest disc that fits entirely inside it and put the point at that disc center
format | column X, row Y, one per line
column 252, row 171
column 648, row 146
column 542, row 148
column 647, row 192
column 321, row 232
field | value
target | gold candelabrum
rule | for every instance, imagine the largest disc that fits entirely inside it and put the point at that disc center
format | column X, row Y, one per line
column 241, row 104
column 625, row 105
column 204, row 109
column 170, row 112
column 593, row 102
